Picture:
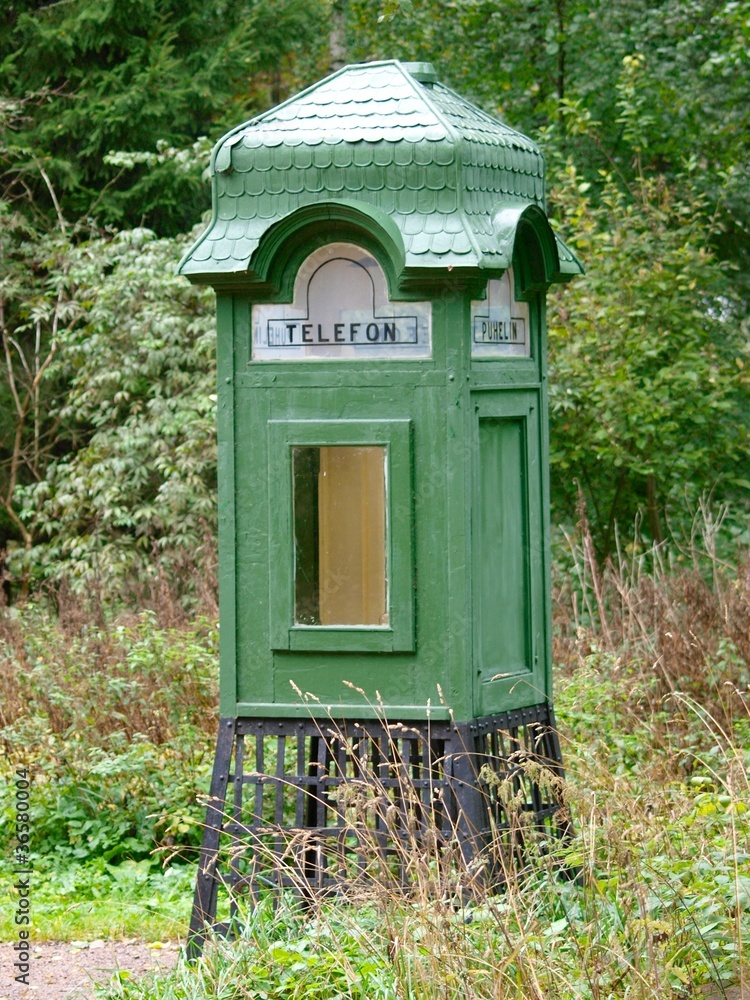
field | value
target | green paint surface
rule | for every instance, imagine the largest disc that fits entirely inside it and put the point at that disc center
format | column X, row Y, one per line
column 434, row 167
column 443, row 197
column 466, row 552
column 510, row 564
column 501, row 558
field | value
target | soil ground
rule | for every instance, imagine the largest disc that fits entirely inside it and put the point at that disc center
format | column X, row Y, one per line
column 66, row 971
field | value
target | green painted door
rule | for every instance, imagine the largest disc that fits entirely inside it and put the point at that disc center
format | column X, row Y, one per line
column 508, row 558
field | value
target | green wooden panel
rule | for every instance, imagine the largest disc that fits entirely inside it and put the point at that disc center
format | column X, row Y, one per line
column 509, row 562
column 226, row 504
column 449, row 466
column 384, row 709
column 252, row 548
column 464, row 500
column 466, row 482
column 545, row 496
column 502, row 553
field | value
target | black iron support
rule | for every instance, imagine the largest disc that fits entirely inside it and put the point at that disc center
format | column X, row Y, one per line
column 320, row 805
column 207, row 883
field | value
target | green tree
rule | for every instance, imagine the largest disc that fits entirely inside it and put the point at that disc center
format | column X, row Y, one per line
column 122, row 75
column 34, row 312
column 532, row 61
column 650, row 369
column 106, row 428
column 35, row 309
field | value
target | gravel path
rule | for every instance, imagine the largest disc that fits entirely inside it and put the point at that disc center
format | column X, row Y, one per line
column 65, row 971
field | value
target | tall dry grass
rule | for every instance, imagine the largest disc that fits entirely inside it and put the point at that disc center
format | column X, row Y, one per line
column 76, row 665
column 652, row 694
column 653, row 657
column 676, row 617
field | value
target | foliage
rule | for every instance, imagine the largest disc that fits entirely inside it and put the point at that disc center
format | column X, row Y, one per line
column 115, row 722
column 646, row 136
column 82, row 902
column 107, row 441
column 122, row 74
column 105, row 112
column 650, row 372
column 673, row 621
column 661, row 906
column 660, row 795
column 529, row 62
column 658, row 788
column 512, row 56
column 79, row 671
column 139, row 375
column 107, row 475
column 33, row 311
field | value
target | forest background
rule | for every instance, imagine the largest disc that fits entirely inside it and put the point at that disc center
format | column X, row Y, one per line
column 108, row 111
column 107, row 116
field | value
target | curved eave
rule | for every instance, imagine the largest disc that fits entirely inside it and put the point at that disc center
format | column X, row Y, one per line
column 557, row 261
column 570, row 265
column 230, row 261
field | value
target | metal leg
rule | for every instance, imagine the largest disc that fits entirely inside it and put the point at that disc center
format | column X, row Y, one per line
column 470, row 808
column 206, row 884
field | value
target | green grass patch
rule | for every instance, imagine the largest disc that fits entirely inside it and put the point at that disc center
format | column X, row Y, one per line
column 86, row 901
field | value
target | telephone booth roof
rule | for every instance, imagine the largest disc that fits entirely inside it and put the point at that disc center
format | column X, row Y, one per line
column 447, row 181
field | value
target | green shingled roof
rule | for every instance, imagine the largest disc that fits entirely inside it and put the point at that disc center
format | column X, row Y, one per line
column 386, row 135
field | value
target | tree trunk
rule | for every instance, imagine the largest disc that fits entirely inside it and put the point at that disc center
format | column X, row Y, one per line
column 337, row 36
column 652, row 510
column 560, row 11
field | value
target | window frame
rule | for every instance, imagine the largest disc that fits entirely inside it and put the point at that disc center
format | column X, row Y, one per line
column 395, row 436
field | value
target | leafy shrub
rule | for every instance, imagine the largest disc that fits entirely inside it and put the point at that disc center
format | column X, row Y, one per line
column 132, row 492
column 116, row 723
column 128, row 675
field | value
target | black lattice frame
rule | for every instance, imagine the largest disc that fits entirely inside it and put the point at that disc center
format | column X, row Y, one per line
column 341, row 803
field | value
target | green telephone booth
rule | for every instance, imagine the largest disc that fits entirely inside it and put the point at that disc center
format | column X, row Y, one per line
column 380, row 253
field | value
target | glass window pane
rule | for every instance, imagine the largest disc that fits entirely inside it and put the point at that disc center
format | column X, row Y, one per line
column 341, row 310
column 500, row 324
column 339, row 535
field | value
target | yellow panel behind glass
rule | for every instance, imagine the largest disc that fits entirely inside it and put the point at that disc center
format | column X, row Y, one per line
column 351, row 512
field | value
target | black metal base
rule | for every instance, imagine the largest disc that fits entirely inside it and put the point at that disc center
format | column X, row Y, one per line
column 322, row 806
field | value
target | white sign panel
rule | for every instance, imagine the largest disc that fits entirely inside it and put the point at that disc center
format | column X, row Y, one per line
column 500, row 324
column 341, row 311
